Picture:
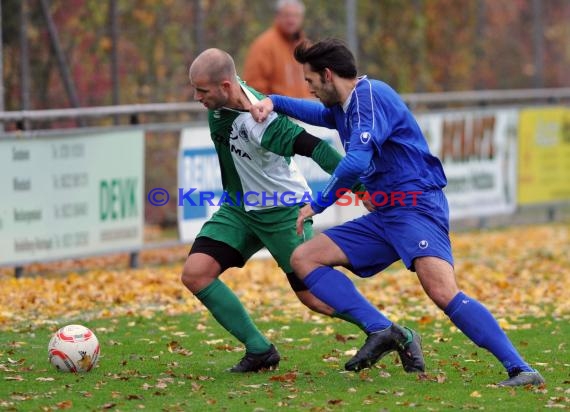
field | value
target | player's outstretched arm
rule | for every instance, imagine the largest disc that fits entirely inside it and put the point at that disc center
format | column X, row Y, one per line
column 308, row 111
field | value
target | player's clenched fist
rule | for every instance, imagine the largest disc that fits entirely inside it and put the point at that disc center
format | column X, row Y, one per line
column 261, row 110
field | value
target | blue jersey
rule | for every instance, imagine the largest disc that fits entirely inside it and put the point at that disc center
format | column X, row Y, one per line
column 384, row 145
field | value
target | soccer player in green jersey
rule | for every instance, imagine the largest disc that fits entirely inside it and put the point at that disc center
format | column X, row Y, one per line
column 255, row 158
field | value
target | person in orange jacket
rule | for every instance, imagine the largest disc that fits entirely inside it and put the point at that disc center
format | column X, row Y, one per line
column 270, row 66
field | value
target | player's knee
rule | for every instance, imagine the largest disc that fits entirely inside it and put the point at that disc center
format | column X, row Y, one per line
column 186, row 276
column 298, row 257
column 190, row 278
column 198, row 274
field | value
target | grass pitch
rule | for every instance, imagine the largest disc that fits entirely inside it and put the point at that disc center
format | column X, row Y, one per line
column 177, row 363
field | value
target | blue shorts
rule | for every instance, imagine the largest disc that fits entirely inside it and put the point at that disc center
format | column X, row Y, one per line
column 376, row 240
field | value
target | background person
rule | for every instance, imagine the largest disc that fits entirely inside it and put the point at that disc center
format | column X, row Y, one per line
column 269, row 65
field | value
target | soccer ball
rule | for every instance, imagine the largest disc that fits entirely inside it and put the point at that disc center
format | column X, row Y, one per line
column 73, row 348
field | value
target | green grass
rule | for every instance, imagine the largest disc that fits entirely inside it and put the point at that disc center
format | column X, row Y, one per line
column 171, row 363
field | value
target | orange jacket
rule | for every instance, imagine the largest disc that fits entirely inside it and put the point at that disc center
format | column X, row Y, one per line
column 271, row 68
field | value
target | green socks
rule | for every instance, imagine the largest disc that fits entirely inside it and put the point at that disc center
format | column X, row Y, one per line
column 230, row 313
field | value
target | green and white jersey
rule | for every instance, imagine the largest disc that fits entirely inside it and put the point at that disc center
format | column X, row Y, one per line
column 255, row 158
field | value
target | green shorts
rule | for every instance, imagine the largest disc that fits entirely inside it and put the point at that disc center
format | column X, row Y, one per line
column 248, row 232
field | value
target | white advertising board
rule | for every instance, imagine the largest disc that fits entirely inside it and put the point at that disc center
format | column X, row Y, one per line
column 71, row 196
column 478, row 152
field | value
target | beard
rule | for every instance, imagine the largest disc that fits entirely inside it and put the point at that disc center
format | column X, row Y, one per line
column 328, row 99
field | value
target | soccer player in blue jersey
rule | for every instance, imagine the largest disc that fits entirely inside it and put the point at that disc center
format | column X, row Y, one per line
column 388, row 152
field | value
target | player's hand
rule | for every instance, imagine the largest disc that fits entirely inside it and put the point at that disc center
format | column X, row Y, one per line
column 261, row 110
column 305, row 213
column 367, row 203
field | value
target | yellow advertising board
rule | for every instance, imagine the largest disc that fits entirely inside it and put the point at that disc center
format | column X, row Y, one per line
column 544, row 155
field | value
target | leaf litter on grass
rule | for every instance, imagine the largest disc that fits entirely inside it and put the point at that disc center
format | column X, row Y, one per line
column 518, row 273
column 521, row 271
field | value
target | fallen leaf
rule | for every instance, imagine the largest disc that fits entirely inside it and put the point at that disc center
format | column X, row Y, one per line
column 510, row 280
column 172, row 346
column 288, row 377
column 14, row 378
column 64, row 405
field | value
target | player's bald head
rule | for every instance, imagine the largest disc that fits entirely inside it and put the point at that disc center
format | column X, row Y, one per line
column 216, row 64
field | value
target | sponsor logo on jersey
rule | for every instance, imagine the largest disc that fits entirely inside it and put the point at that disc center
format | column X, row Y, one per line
column 239, row 132
column 239, row 152
column 423, row 244
column 365, row 137
column 242, row 133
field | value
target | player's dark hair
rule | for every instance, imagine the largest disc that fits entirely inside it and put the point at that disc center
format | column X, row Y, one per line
column 328, row 53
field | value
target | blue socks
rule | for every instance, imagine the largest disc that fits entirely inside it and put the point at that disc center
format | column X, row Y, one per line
column 470, row 316
column 338, row 291
column 475, row 321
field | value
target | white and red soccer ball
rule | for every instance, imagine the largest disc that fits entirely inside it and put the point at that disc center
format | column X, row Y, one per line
column 74, row 348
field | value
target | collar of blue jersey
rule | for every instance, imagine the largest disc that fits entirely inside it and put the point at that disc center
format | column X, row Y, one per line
column 349, row 98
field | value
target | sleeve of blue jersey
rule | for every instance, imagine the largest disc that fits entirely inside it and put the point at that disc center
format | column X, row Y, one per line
column 305, row 110
column 346, row 173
